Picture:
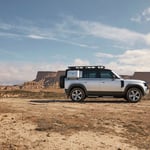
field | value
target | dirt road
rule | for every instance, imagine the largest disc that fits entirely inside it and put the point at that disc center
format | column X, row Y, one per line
column 63, row 125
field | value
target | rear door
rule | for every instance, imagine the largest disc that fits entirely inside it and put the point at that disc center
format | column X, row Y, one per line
column 91, row 79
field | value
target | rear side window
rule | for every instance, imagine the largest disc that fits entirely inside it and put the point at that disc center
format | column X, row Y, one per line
column 90, row 74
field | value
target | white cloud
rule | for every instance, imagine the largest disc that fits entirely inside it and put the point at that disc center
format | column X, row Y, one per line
column 148, row 39
column 17, row 73
column 135, row 57
column 10, row 53
column 108, row 32
column 142, row 17
column 32, row 36
column 146, row 14
column 9, row 35
column 32, row 31
column 128, row 62
column 75, row 32
column 99, row 30
column 137, row 19
column 104, row 55
column 80, row 62
column 5, row 26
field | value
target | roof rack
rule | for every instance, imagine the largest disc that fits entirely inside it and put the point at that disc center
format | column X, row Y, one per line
column 86, row 67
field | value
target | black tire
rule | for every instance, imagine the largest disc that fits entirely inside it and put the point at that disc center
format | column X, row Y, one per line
column 134, row 95
column 62, row 81
column 77, row 95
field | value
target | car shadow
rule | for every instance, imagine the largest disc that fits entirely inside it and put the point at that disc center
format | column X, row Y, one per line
column 84, row 102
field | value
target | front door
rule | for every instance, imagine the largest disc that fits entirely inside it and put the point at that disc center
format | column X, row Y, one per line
column 108, row 82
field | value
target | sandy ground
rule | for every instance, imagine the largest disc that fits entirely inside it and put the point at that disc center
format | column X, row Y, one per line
column 63, row 125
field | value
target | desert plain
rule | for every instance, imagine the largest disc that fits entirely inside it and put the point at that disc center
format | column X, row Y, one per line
column 56, row 123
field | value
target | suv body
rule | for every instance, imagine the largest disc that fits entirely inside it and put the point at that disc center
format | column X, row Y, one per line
column 96, row 81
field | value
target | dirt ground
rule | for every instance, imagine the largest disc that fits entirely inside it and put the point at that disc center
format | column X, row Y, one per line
column 32, row 124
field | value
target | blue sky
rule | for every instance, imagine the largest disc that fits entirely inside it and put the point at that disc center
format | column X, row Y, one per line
column 53, row 34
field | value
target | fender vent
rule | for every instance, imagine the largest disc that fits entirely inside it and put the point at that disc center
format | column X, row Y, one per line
column 122, row 83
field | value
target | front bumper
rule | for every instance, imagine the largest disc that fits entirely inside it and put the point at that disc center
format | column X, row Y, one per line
column 146, row 92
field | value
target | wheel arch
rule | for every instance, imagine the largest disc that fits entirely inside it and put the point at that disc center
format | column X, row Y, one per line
column 134, row 86
column 77, row 86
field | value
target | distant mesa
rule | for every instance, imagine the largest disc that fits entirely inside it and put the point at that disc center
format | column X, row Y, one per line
column 142, row 76
column 44, row 79
column 45, row 74
column 138, row 76
column 49, row 78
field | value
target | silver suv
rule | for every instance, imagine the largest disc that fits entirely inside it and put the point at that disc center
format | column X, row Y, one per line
column 96, row 81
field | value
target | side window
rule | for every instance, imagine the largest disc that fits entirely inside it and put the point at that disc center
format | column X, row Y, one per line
column 90, row 74
column 106, row 74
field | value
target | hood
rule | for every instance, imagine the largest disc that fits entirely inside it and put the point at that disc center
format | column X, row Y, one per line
column 134, row 81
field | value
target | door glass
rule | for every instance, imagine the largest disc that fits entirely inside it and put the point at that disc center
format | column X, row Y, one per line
column 106, row 74
column 90, row 74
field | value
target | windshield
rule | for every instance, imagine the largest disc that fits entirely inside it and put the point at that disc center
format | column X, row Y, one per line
column 116, row 75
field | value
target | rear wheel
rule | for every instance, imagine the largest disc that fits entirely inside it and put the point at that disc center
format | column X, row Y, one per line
column 134, row 95
column 77, row 95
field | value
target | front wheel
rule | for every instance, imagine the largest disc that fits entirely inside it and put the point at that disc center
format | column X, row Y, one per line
column 77, row 95
column 134, row 95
